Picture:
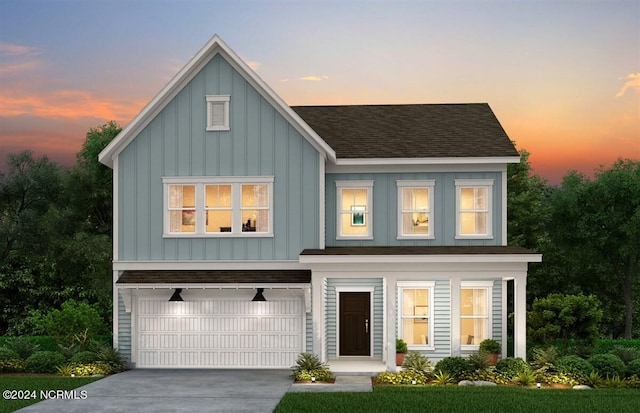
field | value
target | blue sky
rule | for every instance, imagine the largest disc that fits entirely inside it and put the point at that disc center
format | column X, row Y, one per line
column 562, row 76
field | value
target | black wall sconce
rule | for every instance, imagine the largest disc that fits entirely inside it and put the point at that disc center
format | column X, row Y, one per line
column 259, row 296
column 176, row 295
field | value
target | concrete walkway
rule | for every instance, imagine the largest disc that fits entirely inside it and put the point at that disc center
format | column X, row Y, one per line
column 197, row 390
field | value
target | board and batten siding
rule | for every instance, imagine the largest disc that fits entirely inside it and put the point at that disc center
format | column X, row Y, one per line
column 331, row 316
column 385, row 208
column 260, row 142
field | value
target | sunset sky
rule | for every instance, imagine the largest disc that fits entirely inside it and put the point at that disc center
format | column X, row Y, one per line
column 563, row 77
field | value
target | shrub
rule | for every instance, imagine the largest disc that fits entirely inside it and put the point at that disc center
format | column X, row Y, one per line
column 84, row 357
column 414, row 361
column 607, row 365
column 633, row 368
column 488, row 375
column 403, row 377
column 479, row 360
column 511, row 367
column 12, row 366
column 8, row 354
column 111, row 357
column 308, row 361
column 490, row 346
column 456, row 367
column 401, row 346
column 44, row 362
column 306, row 375
column 442, row 378
column 93, row 369
column 74, row 324
column 626, row 354
column 525, row 378
column 23, row 346
column 574, row 365
column 545, row 358
column 606, row 345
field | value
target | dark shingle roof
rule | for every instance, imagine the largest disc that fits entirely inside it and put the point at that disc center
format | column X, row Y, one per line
column 419, row 250
column 217, row 277
column 409, row 131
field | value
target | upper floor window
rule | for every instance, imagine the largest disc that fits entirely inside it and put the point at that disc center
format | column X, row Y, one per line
column 415, row 299
column 415, row 206
column 354, row 209
column 218, row 206
column 218, row 112
column 475, row 312
column 473, row 204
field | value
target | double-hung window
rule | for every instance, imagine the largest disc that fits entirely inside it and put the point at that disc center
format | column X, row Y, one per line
column 415, row 206
column 354, row 209
column 415, row 324
column 473, row 204
column 475, row 312
column 218, row 206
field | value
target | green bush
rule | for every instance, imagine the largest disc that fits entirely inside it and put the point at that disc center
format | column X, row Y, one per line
column 110, row 356
column 401, row 346
column 84, row 357
column 511, row 367
column 74, row 324
column 414, row 361
column 308, row 361
column 608, row 365
column 633, row 368
column 574, row 365
column 8, row 354
column 12, row 366
column 23, row 346
column 490, row 346
column 606, row 345
column 456, row 367
column 307, row 375
column 479, row 360
column 44, row 362
column 626, row 354
column 402, row 377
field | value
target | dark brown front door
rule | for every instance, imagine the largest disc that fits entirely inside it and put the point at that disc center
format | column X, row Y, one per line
column 355, row 324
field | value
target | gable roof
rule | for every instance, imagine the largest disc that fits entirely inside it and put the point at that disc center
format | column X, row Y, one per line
column 410, row 131
column 214, row 47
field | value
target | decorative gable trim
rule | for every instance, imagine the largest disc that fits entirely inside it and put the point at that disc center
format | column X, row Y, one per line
column 214, row 47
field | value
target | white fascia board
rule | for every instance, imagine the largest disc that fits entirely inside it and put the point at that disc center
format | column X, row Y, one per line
column 184, row 76
column 207, row 265
column 215, row 286
column 400, row 259
column 427, row 161
column 411, row 168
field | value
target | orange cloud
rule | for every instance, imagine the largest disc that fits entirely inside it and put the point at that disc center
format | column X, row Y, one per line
column 314, row 78
column 67, row 104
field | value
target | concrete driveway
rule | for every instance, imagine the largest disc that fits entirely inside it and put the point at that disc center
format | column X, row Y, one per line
column 150, row 390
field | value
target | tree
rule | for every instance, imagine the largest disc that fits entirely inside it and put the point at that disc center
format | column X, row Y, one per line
column 564, row 317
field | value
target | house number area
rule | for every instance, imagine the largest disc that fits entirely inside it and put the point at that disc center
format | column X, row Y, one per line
column 44, row 394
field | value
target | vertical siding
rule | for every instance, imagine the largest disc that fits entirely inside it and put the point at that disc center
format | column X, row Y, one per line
column 496, row 307
column 260, row 142
column 331, row 316
column 385, row 208
column 442, row 321
column 124, row 330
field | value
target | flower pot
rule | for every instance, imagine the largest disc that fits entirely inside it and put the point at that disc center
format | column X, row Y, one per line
column 492, row 359
column 399, row 359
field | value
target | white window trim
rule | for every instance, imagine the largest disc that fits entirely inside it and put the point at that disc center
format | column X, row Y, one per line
column 363, row 184
column 200, row 182
column 488, row 285
column 422, row 184
column 430, row 285
column 475, row 183
column 215, row 99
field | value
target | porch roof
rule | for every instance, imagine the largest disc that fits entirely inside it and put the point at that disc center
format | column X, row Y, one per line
column 420, row 250
column 215, row 277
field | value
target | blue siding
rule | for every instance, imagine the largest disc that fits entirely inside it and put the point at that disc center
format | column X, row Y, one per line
column 385, row 208
column 176, row 143
column 124, row 330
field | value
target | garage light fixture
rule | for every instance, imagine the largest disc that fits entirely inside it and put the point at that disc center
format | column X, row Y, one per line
column 176, row 295
column 259, row 296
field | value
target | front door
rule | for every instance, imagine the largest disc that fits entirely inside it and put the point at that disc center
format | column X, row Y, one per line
column 355, row 324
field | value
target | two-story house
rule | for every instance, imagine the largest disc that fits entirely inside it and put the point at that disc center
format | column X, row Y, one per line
column 247, row 231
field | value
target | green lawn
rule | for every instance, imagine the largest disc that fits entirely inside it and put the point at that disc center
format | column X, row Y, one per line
column 31, row 383
column 433, row 399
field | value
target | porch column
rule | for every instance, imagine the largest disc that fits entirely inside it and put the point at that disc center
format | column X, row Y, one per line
column 390, row 323
column 520, row 317
column 317, row 316
column 455, row 316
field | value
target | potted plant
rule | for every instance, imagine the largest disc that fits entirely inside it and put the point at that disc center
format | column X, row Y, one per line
column 491, row 348
column 401, row 350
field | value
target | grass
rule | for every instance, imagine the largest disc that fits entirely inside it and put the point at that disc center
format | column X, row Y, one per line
column 404, row 399
column 37, row 383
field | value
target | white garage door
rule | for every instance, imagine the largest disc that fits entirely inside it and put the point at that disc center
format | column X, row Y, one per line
column 219, row 333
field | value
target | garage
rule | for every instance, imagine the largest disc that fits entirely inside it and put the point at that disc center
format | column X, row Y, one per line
column 218, row 329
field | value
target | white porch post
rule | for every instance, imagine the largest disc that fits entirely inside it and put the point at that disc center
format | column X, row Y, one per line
column 392, row 316
column 455, row 316
column 317, row 316
column 520, row 310
column 504, row 319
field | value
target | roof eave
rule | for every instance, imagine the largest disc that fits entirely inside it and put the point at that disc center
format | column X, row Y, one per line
column 427, row 161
